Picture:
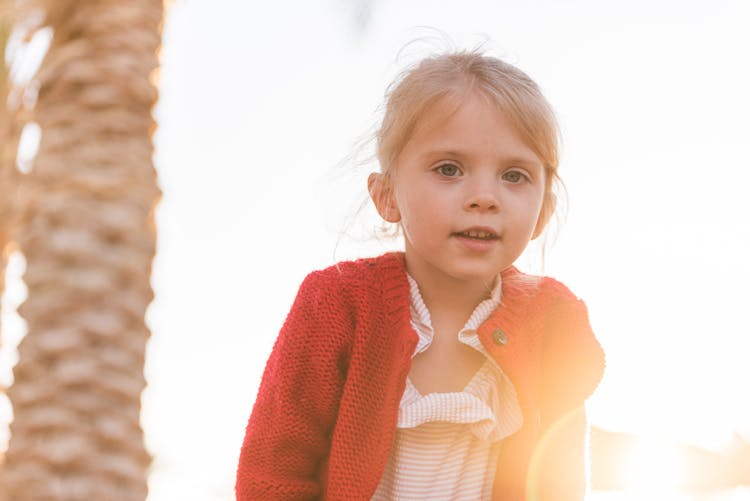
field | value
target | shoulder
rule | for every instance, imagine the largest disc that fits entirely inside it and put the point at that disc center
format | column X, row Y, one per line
column 362, row 279
column 556, row 290
column 537, row 295
column 543, row 287
column 553, row 304
column 385, row 268
column 331, row 301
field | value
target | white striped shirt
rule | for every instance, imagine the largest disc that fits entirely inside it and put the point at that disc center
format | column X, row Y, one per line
column 447, row 443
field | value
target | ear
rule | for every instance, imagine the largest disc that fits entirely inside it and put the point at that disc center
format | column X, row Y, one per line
column 548, row 208
column 381, row 193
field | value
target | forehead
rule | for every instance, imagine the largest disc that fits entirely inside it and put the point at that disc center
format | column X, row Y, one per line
column 470, row 121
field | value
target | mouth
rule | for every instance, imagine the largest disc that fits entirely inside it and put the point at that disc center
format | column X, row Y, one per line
column 477, row 234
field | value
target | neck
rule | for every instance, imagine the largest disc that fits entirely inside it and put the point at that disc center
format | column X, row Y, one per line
column 446, row 295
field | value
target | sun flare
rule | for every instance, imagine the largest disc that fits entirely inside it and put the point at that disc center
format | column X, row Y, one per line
column 654, row 469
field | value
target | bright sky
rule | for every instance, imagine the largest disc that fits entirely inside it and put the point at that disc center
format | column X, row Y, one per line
column 260, row 104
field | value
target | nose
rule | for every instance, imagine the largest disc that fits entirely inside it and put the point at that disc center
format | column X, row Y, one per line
column 482, row 199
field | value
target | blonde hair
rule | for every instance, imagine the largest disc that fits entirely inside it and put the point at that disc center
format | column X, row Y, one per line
column 454, row 75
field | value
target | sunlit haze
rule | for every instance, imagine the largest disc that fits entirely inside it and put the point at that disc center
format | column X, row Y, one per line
column 260, row 107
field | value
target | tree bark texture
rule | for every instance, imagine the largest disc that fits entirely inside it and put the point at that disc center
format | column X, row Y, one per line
column 87, row 233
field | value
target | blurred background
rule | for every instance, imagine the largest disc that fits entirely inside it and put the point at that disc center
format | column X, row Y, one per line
column 261, row 111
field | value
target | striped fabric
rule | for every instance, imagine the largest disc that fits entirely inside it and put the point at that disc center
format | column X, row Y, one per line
column 447, row 443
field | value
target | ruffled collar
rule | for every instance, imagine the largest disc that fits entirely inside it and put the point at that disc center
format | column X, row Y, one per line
column 488, row 404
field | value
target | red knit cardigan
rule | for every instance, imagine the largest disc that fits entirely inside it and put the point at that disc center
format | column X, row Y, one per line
column 325, row 417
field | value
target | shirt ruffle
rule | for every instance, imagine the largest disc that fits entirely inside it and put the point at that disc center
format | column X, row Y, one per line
column 490, row 414
column 488, row 404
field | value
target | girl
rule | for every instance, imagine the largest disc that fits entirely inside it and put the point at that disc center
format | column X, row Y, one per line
column 441, row 372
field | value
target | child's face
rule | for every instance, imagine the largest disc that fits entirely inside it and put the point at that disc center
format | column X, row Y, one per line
column 467, row 192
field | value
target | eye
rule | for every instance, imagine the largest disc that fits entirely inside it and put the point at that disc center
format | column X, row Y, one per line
column 515, row 176
column 448, row 170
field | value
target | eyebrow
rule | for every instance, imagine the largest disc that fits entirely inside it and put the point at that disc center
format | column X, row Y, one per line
column 526, row 162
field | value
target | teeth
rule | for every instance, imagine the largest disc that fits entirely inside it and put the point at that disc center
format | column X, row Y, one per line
column 485, row 235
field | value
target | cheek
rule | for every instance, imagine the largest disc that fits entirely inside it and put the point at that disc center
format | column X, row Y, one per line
column 525, row 210
column 414, row 214
column 409, row 205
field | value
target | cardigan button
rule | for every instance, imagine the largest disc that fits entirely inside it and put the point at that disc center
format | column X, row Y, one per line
column 499, row 337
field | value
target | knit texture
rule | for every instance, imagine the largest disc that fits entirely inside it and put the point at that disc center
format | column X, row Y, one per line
column 325, row 417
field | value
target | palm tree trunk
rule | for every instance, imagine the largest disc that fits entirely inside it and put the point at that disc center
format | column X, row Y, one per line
column 9, row 135
column 87, row 232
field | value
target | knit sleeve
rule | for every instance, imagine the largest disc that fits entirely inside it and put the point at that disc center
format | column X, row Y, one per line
column 572, row 359
column 288, row 434
column 572, row 365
